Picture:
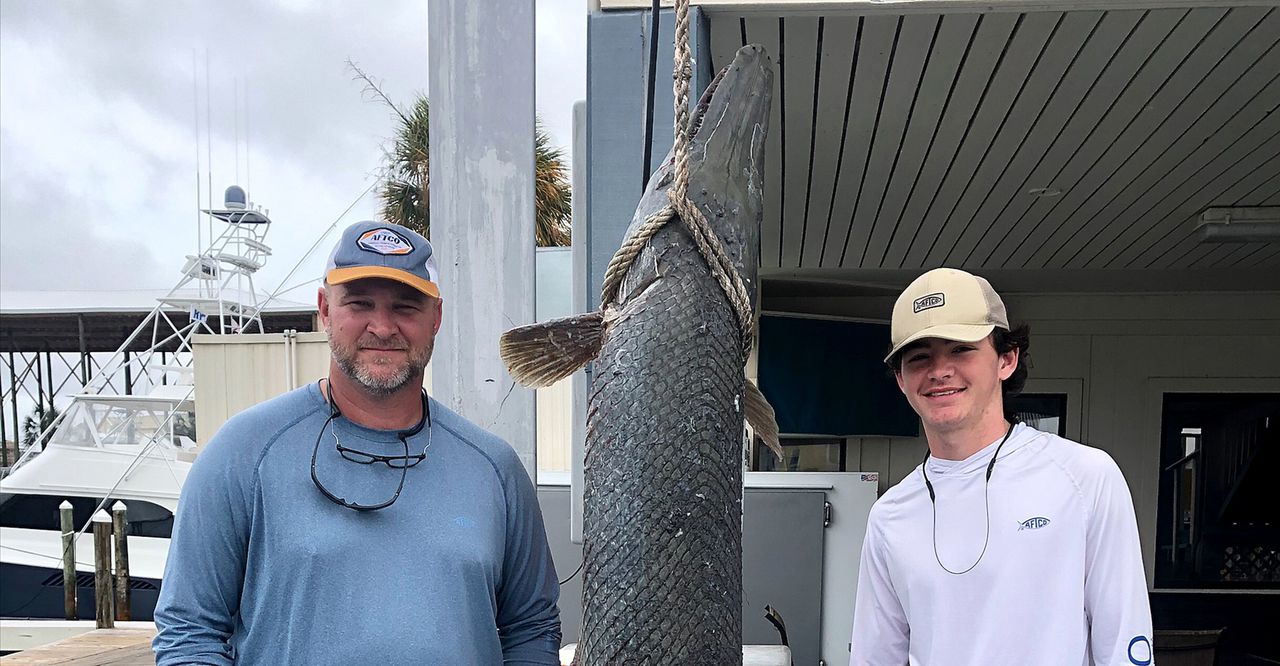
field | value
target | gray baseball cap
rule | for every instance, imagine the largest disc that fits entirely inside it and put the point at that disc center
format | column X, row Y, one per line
column 372, row 249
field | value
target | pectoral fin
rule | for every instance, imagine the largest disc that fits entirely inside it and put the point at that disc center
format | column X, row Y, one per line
column 542, row 354
column 761, row 418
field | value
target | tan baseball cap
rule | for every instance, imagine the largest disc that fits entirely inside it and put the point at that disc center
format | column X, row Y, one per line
column 946, row 303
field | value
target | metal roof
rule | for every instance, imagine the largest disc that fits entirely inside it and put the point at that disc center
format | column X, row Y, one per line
column 14, row 302
column 1045, row 140
column 63, row 321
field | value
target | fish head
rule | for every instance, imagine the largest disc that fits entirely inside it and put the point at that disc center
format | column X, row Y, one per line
column 726, row 159
column 726, row 155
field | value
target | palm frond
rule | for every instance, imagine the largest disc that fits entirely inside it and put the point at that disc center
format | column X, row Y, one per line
column 405, row 192
column 553, row 197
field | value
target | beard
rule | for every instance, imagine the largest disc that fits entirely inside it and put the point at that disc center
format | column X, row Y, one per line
column 378, row 377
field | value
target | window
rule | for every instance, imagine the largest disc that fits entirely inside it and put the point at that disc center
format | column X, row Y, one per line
column 1046, row 412
column 1219, row 523
column 801, row 454
column 41, row 512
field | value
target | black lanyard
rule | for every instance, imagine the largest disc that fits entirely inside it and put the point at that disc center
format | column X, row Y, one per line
column 986, row 500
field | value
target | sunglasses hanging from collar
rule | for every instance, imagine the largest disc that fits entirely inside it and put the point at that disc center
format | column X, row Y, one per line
column 401, row 462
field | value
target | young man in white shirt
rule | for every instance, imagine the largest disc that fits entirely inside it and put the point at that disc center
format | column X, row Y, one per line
column 1007, row 545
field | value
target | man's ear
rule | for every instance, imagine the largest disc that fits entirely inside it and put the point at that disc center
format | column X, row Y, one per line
column 439, row 314
column 1008, row 363
column 897, row 375
column 322, row 304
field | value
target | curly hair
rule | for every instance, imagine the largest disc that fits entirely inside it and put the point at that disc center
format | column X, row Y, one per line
column 1005, row 341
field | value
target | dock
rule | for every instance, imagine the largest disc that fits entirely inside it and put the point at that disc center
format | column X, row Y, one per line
column 100, row 647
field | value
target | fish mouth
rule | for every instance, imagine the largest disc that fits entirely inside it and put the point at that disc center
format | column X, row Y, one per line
column 700, row 111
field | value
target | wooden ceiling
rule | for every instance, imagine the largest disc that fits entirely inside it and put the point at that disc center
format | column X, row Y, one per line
column 1016, row 140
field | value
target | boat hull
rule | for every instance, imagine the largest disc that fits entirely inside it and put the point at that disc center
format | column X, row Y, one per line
column 36, row 592
column 31, row 574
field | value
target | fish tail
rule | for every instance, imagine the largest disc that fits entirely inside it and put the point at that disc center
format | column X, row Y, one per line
column 761, row 418
column 542, row 354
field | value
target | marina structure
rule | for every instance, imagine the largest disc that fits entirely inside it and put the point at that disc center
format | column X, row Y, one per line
column 129, row 430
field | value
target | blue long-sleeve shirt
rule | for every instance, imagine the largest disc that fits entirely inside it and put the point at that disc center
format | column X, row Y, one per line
column 263, row 569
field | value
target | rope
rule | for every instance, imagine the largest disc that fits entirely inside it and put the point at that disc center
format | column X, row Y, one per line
column 680, row 206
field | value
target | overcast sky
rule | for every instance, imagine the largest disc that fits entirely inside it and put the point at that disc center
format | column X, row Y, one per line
column 98, row 142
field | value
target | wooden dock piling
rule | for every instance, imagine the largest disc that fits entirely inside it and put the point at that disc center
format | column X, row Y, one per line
column 68, row 523
column 104, row 598
column 67, row 519
column 120, row 526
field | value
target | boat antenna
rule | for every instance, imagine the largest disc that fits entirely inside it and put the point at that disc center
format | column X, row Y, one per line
column 208, row 118
column 195, row 126
column 235, row 121
column 247, row 174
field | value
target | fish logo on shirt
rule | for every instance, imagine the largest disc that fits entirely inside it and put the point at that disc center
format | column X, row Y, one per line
column 1033, row 523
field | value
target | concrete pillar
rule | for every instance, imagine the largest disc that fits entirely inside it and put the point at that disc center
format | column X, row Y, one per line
column 481, row 87
column 581, row 303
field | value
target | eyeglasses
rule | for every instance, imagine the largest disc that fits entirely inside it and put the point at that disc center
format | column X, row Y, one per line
column 401, row 462
column 395, row 462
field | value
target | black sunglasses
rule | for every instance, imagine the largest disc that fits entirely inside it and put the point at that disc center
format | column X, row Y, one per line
column 401, row 462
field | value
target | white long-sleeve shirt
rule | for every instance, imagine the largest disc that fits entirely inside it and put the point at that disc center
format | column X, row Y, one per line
column 1061, row 581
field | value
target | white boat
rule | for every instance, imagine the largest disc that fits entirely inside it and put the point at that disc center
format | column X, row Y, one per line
column 136, row 449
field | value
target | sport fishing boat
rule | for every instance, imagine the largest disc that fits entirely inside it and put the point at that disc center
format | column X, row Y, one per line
column 106, row 448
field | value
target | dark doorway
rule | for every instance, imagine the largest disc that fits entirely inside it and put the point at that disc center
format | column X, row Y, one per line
column 1219, row 523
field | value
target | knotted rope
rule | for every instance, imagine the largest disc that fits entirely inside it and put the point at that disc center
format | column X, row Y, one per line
column 680, row 206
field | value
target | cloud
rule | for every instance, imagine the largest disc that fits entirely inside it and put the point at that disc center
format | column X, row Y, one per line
column 53, row 243
column 99, row 124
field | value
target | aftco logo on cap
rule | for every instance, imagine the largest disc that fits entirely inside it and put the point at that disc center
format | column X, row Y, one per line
column 384, row 241
column 928, row 302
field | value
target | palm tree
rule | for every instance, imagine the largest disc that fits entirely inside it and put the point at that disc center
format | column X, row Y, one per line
column 37, row 422
column 552, row 194
column 405, row 196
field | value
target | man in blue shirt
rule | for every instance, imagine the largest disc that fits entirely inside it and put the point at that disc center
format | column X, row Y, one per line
column 357, row 520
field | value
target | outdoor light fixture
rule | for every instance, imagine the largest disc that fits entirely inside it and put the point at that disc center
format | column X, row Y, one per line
column 1242, row 224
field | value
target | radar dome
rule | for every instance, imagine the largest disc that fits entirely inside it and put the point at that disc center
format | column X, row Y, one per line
column 235, row 198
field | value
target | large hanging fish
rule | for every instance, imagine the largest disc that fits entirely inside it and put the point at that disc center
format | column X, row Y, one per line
column 662, row 498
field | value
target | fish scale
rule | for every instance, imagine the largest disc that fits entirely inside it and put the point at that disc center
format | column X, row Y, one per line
column 663, row 471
